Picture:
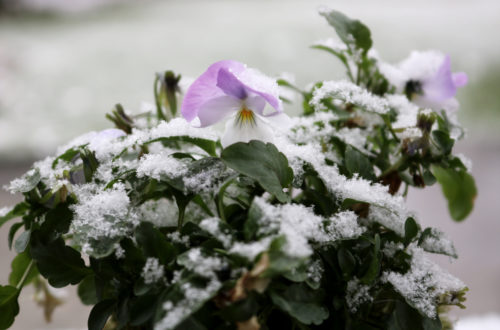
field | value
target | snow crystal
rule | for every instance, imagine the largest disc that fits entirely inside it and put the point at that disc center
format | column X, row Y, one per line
column 349, row 93
column 161, row 213
column 315, row 271
column 194, row 297
column 407, row 111
column 212, row 225
column 344, row 225
column 354, row 136
column 424, row 284
column 390, row 248
column 101, row 213
column 176, row 237
column 252, row 249
column 207, row 180
column 288, row 220
column 203, row 265
column 180, row 127
column 156, row 165
column 357, row 294
column 437, row 242
column 152, row 271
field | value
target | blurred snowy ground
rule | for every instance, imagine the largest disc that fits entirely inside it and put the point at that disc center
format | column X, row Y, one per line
column 60, row 73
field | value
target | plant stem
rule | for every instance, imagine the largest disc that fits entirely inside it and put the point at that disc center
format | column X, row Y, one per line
column 25, row 275
column 394, row 167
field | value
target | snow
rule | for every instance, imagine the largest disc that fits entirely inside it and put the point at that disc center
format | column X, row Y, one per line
column 439, row 243
column 212, row 225
column 152, row 271
column 156, row 165
column 357, row 294
column 349, row 93
column 424, row 284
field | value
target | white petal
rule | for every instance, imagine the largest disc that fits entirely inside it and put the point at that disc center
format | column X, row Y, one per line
column 217, row 109
column 235, row 132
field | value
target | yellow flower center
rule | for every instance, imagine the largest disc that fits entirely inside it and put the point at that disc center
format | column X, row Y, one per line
column 245, row 116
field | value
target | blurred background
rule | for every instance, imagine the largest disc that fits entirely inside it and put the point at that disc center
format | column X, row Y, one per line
column 64, row 64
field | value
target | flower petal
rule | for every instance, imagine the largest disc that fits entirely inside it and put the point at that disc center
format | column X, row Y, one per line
column 230, row 85
column 441, row 86
column 205, row 88
column 460, row 79
column 260, row 130
column 217, row 109
column 234, row 86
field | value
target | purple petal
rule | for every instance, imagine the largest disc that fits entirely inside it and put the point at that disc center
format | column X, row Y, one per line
column 460, row 79
column 441, row 86
column 217, row 109
column 230, row 85
column 205, row 88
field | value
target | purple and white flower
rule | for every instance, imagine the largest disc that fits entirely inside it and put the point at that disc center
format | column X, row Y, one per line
column 427, row 80
column 230, row 90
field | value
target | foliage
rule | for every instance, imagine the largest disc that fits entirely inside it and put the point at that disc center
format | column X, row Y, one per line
column 309, row 232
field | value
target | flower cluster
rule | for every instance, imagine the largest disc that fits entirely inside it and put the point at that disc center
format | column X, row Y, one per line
column 280, row 223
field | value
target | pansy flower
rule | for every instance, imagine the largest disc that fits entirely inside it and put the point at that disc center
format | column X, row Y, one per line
column 427, row 80
column 244, row 96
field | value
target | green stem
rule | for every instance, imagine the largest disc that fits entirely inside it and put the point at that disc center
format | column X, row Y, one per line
column 394, row 167
column 25, row 275
column 159, row 111
column 180, row 219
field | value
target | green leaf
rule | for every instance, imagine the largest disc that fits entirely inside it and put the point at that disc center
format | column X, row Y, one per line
column 406, row 318
column 301, row 303
column 100, row 313
column 9, row 307
column 87, row 291
column 12, row 232
column 459, row 189
column 241, row 310
column 411, row 230
column 347, row 262
column 434, row 241
column 207, row 145
column 58, row 263
column 67, row 156
column 443, row 140
column 22, row 241
column 18, row 211
column 356, row 162
column 19, row 266
column 262, row 162
column 374, row 266
column 57, row 221
column 90, row 163
column 347, row 29
column 154, row 243
column 143, row 309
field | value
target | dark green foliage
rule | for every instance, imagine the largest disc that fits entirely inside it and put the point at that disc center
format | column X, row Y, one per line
column 262, row 162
